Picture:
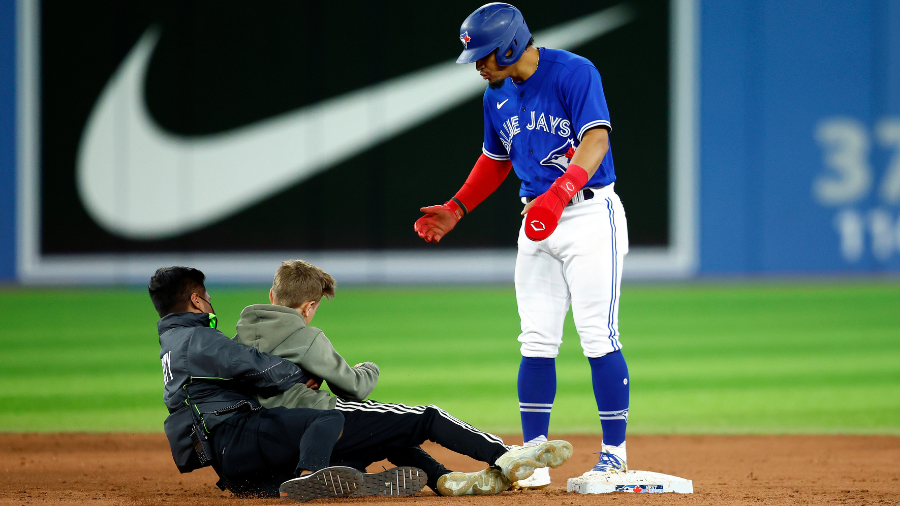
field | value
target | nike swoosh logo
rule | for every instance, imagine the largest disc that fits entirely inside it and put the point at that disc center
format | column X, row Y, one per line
column 141, row 182
column 500, row 104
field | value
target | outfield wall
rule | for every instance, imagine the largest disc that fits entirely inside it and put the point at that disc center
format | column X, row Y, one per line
column 757, row 137
column 800, row 136
column 7, row 140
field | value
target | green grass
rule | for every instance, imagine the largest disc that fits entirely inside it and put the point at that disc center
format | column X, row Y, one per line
column 704, row 358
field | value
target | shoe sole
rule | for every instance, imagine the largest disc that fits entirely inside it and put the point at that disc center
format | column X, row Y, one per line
column 550, row 454
column 398, row 482
column 464, row 480
column 516, row 486
column 328, row 483
column 472, row 484
column 491, row 486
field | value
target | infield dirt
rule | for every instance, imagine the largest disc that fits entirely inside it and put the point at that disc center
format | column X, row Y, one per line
column 120, row 469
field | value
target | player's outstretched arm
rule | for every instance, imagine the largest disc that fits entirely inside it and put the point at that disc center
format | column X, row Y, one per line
column 486, row 176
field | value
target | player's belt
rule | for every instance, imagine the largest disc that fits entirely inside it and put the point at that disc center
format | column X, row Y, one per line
column 581, row 196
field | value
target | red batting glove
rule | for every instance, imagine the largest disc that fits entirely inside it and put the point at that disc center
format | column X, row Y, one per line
column 438, row 220
column 543, row 217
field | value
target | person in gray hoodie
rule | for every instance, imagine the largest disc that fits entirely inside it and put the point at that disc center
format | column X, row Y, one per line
column 211, row 386
column 373, row 430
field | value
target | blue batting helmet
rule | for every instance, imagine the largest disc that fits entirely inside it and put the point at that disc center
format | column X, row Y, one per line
column 493, row 26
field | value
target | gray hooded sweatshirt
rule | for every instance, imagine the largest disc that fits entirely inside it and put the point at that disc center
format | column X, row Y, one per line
column 282, row 331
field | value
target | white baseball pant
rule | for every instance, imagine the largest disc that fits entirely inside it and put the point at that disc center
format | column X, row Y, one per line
column 580, row 265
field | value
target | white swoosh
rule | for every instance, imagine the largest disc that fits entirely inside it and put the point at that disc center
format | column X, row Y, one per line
column 500, row 104
column 140, row 182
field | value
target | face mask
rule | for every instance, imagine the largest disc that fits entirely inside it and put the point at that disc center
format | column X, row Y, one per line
column 213, row 319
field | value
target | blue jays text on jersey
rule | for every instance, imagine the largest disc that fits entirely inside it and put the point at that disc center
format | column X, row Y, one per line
column 535, row 122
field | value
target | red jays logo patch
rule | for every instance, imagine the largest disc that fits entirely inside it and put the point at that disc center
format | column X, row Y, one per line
column 464, row 37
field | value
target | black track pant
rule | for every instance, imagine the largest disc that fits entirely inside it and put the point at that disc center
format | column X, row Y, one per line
column 257, row 452
column 374, row 431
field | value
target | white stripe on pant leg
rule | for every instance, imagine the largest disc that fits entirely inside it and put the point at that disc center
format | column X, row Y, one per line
column 533, row 410
column 378, row 407
column 486, row 435
column 457, row 421
column 401, row 409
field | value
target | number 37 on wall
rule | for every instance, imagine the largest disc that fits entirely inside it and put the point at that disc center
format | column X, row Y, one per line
column 848, row 178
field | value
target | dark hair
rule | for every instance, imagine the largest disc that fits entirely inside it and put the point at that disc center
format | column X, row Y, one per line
column 530, row 42
column 171, row 288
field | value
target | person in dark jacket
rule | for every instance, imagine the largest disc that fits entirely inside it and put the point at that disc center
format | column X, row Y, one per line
column 211, row 384
column 376, row 430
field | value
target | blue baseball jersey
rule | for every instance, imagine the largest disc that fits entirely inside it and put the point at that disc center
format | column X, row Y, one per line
column 535, row 122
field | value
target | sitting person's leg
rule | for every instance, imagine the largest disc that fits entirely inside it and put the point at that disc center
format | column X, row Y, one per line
column 446, row 482
column 415, row 456
column 257, row 452
column 374, row 428
column 376, row 425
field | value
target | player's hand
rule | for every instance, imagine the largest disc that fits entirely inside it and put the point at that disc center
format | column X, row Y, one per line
column 528, row 207
column 438, row 220
column 543, row 216
column 313, row 384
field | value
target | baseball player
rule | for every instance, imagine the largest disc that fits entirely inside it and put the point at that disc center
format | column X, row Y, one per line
column 546, row 118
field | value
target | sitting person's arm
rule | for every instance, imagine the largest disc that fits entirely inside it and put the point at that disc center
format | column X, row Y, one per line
column 283, row 328
column 351, row 383
column 212, row 354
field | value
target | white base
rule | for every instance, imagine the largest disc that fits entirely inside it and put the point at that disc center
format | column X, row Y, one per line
column 638, row 482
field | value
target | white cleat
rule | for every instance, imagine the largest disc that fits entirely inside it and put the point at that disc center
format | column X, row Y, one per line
column 609, row 463
column 538, row 480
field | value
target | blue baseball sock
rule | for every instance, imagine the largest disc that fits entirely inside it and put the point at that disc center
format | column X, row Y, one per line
column 609, row 375
column 537, row 389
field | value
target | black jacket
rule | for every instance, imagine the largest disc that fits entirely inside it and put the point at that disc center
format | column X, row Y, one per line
column 208, row 378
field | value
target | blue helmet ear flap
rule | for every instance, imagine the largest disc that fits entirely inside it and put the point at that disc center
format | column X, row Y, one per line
column 495, row 26
column 517, row 44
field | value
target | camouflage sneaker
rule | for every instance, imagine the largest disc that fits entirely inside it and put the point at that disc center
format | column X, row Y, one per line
column 521, row 461
column 487, row 482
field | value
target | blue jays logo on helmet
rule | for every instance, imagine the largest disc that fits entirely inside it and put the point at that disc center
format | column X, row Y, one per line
column 494, row 27
column 559, row 158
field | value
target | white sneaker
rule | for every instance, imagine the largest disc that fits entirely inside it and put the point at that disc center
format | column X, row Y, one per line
column 520, row 461
column 538, row 480
column 487, row 482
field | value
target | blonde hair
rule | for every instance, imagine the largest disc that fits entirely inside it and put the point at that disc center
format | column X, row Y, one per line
column 297, row 282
